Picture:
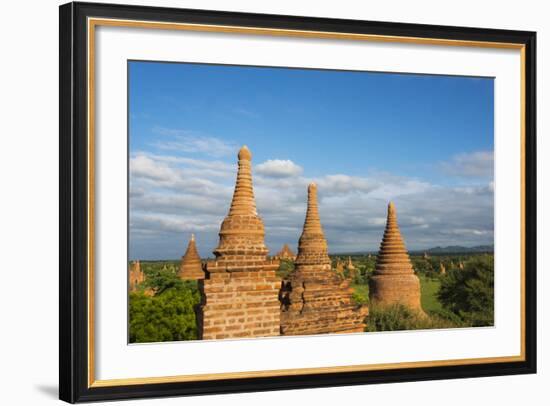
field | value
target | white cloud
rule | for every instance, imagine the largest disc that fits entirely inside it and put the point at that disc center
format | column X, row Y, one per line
column 478, row 164
column 342, row 184
column 172, row 196
column 190, row 142
column 149, row 172
column 278, row 168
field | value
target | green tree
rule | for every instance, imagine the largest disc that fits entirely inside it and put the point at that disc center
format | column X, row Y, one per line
column 286, row 266
column 162, row 278
column 469, row 293
column 167, row 316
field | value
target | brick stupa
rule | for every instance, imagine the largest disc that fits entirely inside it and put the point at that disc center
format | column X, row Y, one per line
column 286, row 253
column 315, row 300
column 135, row 276
column 352, row 270
column 239, row 295
column 394, row 281
column 190, row 265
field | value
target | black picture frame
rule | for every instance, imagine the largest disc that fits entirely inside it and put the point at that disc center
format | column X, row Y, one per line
column 73, row 255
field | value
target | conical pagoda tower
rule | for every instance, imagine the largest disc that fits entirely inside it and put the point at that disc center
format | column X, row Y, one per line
column 190, row 265
column 315, row 300
column 239, row 295
column 394, row 281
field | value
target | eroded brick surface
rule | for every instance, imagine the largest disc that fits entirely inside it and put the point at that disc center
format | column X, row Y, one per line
column 315, row 299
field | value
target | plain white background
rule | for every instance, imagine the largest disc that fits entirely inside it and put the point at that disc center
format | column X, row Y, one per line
column 29, row 218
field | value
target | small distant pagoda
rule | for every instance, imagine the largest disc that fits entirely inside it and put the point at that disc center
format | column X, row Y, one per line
column 340, row 268
column 461, row 265
column 190, row 265
column 394, row 281
column 442, row 269
column 352, row 270
column 135, row 276
column 285, row 253
column 315, row 300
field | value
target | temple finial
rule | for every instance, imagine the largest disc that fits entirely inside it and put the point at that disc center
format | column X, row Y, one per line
column 245, row 154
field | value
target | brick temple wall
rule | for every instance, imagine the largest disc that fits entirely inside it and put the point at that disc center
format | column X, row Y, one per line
column 240, row 303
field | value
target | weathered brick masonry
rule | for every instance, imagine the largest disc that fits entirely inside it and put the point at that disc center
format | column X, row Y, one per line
column 314, row 299
column 240, row 290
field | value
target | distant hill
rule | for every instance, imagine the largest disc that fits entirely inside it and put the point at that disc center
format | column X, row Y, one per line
column 451, row 249
column 457, row 249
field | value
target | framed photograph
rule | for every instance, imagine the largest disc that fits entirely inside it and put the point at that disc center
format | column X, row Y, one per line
column 256, row 202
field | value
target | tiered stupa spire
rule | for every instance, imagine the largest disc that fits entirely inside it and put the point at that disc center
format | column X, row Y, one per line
column 242, row 231
column 190, row 265
column 315, row 300
column 394, row 280
column 239, row 295
column 312, row 246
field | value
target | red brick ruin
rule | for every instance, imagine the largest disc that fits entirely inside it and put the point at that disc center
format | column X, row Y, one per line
column 190, row 265
column 315, row 300
column 394, row 281
column 135, row 276
column 285, row 253
column 240, row 290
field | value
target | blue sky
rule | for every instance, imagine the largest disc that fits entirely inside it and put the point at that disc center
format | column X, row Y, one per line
column 424, row 141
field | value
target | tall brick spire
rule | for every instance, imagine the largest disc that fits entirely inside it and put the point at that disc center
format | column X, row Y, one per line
column 243, row 202
column 239, row 295
column 242, row 231
column 394, row 280
column 312, row 246
column 190, row 265
column 393, row 257
column 314, row 299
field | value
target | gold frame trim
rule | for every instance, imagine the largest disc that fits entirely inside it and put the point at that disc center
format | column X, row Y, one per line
column 94, row 22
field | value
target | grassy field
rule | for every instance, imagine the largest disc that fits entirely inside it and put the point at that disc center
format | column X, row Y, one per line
column 429, row 288
column 360, row 293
